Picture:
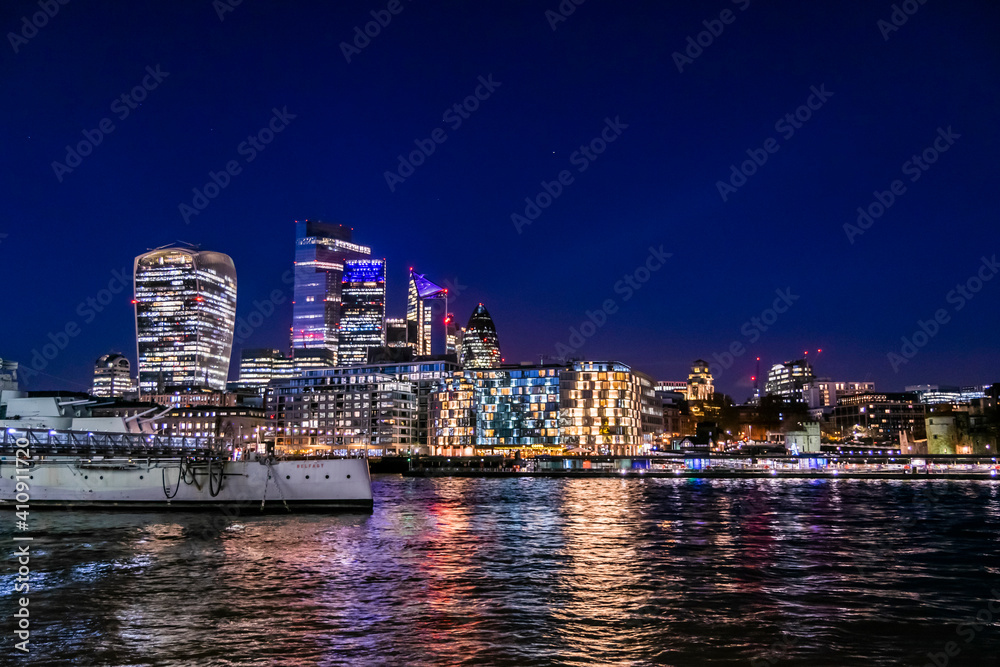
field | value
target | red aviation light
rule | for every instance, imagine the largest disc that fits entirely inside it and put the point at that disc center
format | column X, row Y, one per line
column 134, row 302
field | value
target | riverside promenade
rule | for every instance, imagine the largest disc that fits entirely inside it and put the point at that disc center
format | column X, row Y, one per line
column 811, row 466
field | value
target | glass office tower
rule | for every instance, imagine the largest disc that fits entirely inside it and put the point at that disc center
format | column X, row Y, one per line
column 185, row 313
column 426, row 313
column 362, row 315
column 480, row 346
column 321, row 248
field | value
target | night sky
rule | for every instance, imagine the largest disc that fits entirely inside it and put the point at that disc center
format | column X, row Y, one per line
column 885, row 94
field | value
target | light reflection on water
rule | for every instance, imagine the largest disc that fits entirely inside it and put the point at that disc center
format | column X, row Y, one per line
column 533, row 572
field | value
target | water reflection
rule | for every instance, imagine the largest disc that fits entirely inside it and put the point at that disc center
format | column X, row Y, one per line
column 531, row 572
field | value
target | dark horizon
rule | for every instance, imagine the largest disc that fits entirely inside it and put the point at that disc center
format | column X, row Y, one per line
column 660, row 199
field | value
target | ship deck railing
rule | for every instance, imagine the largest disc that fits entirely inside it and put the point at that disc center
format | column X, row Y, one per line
column 51, row 442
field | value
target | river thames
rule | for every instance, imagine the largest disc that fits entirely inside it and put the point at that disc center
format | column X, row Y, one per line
column 518, row 571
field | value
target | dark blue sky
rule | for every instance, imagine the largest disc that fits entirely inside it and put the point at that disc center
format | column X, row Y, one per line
column 655, row 185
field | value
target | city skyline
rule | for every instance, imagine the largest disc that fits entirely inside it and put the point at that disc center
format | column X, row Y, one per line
column 738, row 175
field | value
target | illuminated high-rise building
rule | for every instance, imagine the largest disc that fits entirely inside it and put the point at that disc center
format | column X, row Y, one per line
column 480, row 346
column 787, row 379
column 321, row 249
column 362, row 313
column 426, row 316
column 185, row 313
column 112, row 376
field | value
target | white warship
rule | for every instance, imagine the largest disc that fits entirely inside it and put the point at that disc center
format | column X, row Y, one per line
column 70, row 459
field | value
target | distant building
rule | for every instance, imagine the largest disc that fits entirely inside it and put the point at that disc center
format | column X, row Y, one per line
column 426, row 312
column 238, row 423
column 362, row 317
column 395, row 332
column 185, row 313
column 700, row 383
column 787, row 379
column 879, row 416
column 321, row 250
column 259, row 366
column 424, row 374
column 824, row 393
column 933, row 394
column 112, row 376
column 186, row 396
column 369, row 412
column 8, row 375
column 480, row 346
column 673, row 385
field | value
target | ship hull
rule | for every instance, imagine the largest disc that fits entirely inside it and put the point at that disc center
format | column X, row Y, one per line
column 238, row 487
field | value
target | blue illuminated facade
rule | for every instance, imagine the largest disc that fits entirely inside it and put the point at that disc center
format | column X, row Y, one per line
column 362, row 316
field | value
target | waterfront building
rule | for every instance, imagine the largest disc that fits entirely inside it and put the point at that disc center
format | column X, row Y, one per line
column 373, row 413
column 424, row 374
column 700, row 384
column 185, row 313
column 426, row 312
column 321, row 250
column 824, row 393
column 480, row 346
column 584, row 407
column 362, row 318
column 395, row 332
column 518, row 408
column 788, row 378
column 879, row 416
column 112, row 376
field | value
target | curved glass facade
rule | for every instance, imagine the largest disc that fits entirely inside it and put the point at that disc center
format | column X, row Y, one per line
column 185, row 313
column 480, row 346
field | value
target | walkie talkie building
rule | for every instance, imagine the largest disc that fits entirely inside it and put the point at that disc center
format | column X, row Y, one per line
column 185, row 313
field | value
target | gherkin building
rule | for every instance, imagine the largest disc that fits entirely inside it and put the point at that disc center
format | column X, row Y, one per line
column 480, row 347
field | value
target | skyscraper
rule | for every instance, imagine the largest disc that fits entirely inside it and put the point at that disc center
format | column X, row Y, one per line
column 185, row 313
column 362, row 315
column 480, row 346
column 112, row 376
column 787, row 379
column 321, row 248
column 426, row 312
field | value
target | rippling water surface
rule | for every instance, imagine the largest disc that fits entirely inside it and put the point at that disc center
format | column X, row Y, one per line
column 534, row 572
